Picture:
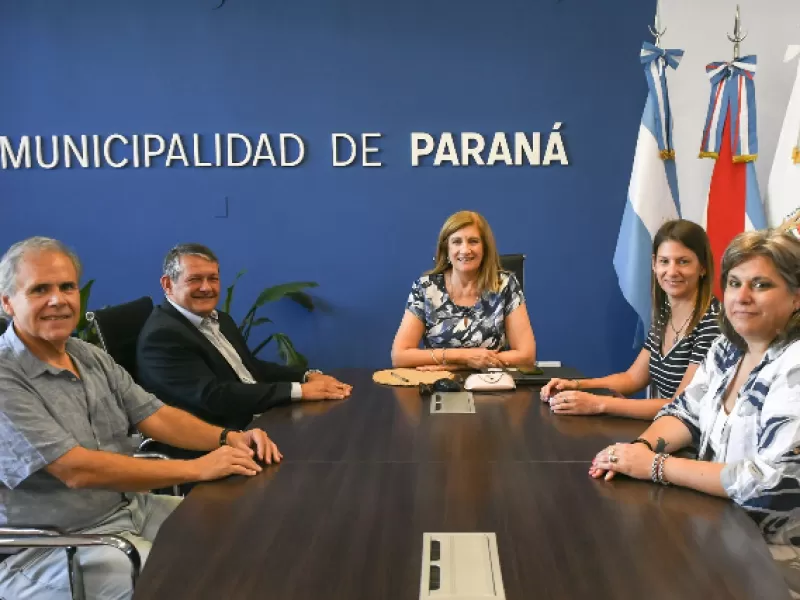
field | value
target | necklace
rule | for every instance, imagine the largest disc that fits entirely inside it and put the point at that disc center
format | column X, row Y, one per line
column 677, row 332
column 468, row 310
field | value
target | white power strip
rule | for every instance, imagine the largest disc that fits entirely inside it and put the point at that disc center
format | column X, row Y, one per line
column 548, row 363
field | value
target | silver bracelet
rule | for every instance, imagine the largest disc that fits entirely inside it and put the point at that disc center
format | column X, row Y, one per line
column 663, row 460
column 657, row 469
column 654, row 469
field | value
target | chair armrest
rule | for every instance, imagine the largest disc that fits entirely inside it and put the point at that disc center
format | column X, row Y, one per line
column 176, row 490
column 33, row 537
column 145, row 444
column 156, row 455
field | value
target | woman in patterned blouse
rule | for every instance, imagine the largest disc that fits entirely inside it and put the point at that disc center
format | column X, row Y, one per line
column 742, row 408
column 684, row 327
column 466, row 311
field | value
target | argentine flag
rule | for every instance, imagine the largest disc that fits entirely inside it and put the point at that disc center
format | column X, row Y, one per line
column 730, row 138
column 653, row 190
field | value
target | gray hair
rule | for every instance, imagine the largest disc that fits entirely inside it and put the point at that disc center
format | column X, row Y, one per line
column 172, row 261
column 9, row 264
column 783, row 250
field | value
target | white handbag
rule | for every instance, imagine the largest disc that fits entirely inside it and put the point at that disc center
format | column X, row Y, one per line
column 489, row 382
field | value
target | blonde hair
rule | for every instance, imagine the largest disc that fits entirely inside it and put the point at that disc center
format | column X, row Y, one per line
column 783, row 249
column 489, row 270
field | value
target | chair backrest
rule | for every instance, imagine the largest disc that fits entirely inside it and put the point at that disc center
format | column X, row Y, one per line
column 118, row 328
column 3, row 326
column 516, row 264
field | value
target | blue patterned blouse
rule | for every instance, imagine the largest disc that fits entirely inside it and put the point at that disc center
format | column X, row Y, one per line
column 448, row 325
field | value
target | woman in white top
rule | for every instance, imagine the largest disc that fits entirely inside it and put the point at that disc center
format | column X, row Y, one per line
column 742, row 408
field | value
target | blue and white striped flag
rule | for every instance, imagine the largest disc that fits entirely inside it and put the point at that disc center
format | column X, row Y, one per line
column 653, row 190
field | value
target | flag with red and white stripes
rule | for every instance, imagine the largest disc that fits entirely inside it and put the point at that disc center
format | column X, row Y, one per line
column 730, row 137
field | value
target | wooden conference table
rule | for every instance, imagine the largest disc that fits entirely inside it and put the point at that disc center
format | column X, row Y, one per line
column 342, row 517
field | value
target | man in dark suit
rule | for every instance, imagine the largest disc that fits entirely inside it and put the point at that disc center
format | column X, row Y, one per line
column 192, row 356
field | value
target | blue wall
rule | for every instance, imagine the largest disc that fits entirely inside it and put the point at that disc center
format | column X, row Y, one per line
column 314, row 67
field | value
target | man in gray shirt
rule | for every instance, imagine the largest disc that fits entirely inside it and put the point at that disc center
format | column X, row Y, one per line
column 66, row 409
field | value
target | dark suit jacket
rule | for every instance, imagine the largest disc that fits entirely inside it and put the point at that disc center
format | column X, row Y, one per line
column 178, row 364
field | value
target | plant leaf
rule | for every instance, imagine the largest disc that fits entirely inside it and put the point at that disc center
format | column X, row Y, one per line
column 260, row 347
column 253, row 322
column 302, row 299
column 288, row 353
column 276, row 292
column 226, row 306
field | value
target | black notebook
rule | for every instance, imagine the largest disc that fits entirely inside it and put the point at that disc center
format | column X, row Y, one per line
column 545, row 375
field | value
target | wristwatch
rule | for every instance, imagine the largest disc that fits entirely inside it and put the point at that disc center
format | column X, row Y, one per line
column 223, row 437
column 310, row 372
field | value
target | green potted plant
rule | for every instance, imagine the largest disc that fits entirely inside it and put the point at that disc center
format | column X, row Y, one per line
column 293, row 291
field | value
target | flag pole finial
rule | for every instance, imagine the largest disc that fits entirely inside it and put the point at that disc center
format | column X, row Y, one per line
column 655, row 30
column 738, row 36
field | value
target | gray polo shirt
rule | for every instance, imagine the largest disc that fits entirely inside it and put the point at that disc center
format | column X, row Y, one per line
column 44, row 413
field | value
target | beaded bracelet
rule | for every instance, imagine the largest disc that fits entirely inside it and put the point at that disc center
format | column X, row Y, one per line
column 643, row 441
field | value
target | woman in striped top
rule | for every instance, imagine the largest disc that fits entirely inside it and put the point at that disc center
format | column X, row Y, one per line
column 684, row 327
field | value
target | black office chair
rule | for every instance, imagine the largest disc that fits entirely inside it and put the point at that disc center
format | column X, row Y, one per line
column 118, row 328
column 3, row 326
column 516, row 264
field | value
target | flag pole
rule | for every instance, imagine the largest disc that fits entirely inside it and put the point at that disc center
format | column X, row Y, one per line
column 653, row 189
column 655, row 29
column 738, row 37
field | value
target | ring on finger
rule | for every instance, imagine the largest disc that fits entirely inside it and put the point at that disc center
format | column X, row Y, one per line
column 613, row 458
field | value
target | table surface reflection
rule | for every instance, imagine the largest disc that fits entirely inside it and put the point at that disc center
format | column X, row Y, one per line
column 343, row 516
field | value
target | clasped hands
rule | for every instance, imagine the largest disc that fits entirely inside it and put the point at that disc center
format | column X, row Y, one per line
column 474, row 358
column 565, row 398
column 324, row 387
column 633, row 460
column 239, row 456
